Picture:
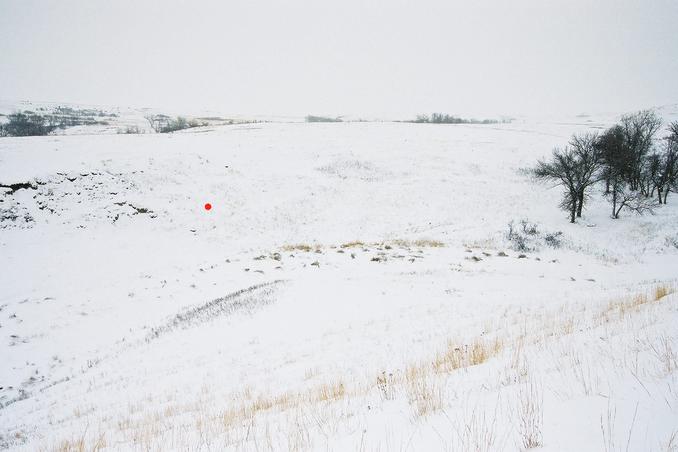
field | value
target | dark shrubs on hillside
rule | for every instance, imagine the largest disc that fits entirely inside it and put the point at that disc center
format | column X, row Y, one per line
column 311, row 118
column 27, row 124
column 166, row 124
column 442, row 118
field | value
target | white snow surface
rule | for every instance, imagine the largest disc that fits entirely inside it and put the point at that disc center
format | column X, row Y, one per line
column 131, row 318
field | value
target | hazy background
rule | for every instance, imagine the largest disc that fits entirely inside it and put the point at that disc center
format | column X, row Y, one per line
column 356, row 57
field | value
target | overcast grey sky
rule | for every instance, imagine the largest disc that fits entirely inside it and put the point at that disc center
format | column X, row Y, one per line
column 357, row 57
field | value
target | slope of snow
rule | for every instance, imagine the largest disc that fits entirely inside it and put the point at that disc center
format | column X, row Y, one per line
column 305, row 309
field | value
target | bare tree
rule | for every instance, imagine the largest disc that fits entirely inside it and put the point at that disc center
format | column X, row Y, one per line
column 629, row 199
column 626, row 167
column 625, row 157
column 638, row 130
column 654, row 175
column 576, row 168
column 669, row 163
column 158, row 122
column 612, row 154
column 561, row 169
column 166, row 124
column 588, row 163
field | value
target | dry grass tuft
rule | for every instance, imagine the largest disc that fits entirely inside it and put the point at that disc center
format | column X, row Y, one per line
column 298, row 247
column 479, row 432
column 624, row 306
column 426, row 243
column 459, row 356
column 661, row 291
column 426, row 395
column 330, row 392
column 530, row 414
column 353, row 244
column 311, row 373
column 71, row 446
column 421, row 243
column 638, row 300
column 387, row 385
column 81, row 445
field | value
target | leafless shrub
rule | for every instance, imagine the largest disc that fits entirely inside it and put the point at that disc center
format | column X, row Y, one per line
column 525, row 236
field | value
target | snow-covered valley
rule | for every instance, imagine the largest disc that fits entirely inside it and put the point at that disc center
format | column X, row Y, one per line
column 352, row 288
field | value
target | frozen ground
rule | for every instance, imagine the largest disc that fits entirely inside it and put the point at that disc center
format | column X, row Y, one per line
column 347, row 291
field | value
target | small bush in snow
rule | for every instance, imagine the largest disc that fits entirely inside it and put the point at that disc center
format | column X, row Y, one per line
column 520, row 235
column 130, row 130
column 672, row 241
column 553, row 240
column 525, row 236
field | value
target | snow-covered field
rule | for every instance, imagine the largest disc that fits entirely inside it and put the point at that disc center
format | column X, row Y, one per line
column 352, row 288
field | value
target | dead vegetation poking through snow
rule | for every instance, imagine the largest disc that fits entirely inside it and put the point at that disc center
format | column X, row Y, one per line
column 530, row 414
column 386, row 244
column 621, row 307
column 263, row 419
column 241, row 300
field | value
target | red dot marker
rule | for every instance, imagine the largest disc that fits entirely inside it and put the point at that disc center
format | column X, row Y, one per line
column 208, row 206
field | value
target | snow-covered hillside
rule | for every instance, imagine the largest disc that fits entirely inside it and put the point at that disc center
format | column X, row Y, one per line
column 352, row 288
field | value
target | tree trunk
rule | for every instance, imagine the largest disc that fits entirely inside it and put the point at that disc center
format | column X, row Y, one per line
column 666, row 194
column 607, row 185
column 614, row 202
column 573, row 209
column 621, row 206
column 659, row 194
column 580, row 203
column 616, row 214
